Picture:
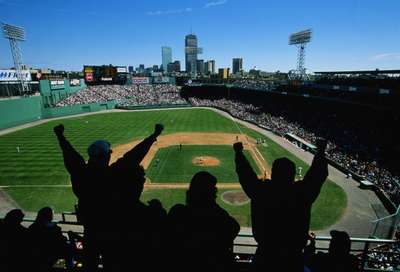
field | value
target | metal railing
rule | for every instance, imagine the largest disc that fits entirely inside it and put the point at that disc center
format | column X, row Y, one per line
column 245, row 245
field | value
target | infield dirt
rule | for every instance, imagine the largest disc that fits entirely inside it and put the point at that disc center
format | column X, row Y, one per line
column 183, row 139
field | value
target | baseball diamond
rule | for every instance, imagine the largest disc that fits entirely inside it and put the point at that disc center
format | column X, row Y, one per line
column 35, row 175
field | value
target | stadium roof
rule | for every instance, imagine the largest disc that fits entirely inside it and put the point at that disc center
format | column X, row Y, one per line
column 370, row 72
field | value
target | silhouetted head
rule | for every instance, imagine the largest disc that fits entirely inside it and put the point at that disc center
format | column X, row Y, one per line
column 340, row 244
column 14, row 217
column 202, row 189
column 99, row 153
column 283, row 171
column 44, row 215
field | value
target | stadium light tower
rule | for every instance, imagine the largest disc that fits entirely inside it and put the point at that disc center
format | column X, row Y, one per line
column 16, row 34
column 300, row 39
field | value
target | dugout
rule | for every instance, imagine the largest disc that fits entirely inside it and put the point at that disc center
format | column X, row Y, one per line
column 300, row 142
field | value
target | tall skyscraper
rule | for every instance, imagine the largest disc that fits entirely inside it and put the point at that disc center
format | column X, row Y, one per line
column 191, row 52
column 166, row 54
column 237, row 65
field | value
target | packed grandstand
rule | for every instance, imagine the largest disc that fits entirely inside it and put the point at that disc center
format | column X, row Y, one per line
column 132, row 95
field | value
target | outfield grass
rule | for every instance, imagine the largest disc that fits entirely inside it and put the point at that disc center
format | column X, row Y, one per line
column 321, row 216
column 39, row 161
column 176, row 165
column 325, row 212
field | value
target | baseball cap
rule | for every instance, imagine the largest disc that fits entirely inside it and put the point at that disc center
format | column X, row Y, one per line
column 99, row 148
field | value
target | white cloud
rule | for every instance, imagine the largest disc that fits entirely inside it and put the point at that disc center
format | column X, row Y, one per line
column 215, row 3
column 170, row 11
column 385, row 56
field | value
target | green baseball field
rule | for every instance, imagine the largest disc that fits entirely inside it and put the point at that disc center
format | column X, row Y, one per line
column 33, row 174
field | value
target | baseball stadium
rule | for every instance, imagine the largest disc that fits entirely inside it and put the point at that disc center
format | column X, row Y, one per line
column 195, row 139
column 113, row 166
column 199, row 133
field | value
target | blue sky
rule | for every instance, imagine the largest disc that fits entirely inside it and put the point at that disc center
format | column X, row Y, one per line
column 347, row 34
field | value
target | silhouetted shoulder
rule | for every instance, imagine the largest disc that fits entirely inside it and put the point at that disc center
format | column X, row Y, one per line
column 177, row 211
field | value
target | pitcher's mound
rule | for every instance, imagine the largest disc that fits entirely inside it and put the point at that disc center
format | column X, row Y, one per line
column 206, row 161
column 235, row 198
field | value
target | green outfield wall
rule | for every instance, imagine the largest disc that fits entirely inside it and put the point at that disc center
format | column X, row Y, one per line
column 18, row 111
column 53, row 91
column 156, row 106
column 76, row 109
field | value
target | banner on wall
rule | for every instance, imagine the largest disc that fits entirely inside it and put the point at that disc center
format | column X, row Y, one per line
column 74, row 82
column 140, row 80
column 56, row 84
column 11, row 75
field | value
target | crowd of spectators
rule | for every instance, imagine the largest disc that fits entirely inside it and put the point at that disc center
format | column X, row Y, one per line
column 340, row 150
column 253, row 84
column 384, row 82
column 384, row 258
column 131, row 95
column 33, row 248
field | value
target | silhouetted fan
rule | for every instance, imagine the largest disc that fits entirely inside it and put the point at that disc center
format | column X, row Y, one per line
column 338, row 258
column 14, row 246
column 281, row 208
column 48, row 243
column 201, row 233
column 94, row 183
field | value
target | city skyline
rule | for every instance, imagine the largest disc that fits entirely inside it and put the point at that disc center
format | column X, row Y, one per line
column 348, row 35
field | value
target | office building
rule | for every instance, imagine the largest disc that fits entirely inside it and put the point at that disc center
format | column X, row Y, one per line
column 237, row 65
column 191, row 52
column 223, row 73
column 140, row 69
column 166, row 54
column 174, row 67
column 210, row 67
column 200, row 67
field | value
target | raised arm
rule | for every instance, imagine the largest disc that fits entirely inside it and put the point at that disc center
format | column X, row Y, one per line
column 137, row 153
column 73, row 161
column 247, row 177
column 317, row 174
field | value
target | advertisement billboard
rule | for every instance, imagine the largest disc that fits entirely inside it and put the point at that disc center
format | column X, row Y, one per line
column 161, row 79
column 106, row 79
column 121, row 70
column 89, row 77
column 74, row 82
column 88, row 69
column 56, row 84
column 140, row 80
column 11, row 75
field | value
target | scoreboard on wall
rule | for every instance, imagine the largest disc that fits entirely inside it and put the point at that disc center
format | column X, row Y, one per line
column 104, row 74
column 88, row 73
